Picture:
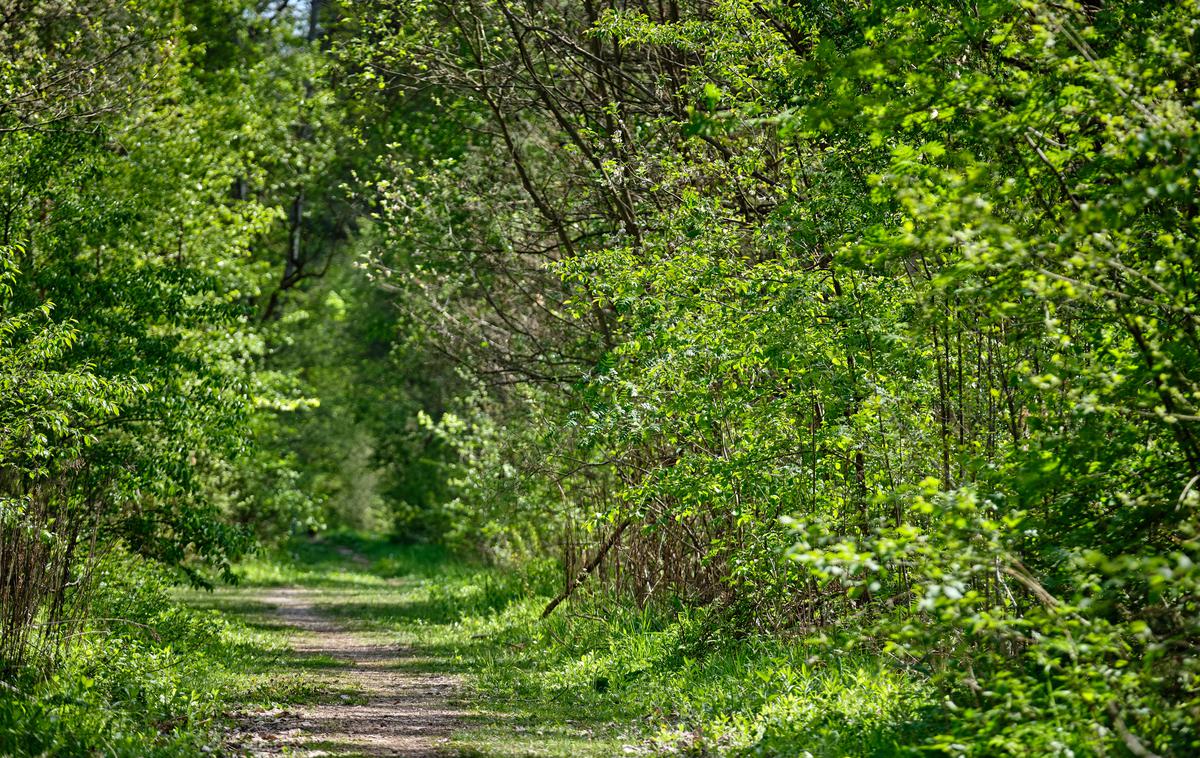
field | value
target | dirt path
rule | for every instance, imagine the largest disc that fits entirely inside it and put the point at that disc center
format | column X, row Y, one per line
column 397, row 712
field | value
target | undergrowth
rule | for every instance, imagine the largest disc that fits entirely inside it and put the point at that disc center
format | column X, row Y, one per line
column 148, row 676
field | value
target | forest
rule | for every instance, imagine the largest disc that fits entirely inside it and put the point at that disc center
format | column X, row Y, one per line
column 599, row 378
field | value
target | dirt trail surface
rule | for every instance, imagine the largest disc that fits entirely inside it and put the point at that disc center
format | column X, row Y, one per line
column 393, row 712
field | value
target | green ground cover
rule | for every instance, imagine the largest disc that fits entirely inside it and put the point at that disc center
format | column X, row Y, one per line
column 148, row 676
column 600, row 677
column 596, row 678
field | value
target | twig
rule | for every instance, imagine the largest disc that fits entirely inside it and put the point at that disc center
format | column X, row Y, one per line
column 1131, row 740
column 588, row 569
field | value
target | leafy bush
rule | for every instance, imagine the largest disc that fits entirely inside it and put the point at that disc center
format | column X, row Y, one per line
column 919, row 278
column 145, row 677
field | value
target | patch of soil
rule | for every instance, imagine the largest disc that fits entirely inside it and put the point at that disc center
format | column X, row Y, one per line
column 392, row 713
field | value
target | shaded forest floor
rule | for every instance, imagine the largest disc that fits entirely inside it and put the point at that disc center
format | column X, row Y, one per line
column 351, row 646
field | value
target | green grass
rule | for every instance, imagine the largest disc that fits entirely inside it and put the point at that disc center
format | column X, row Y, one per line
column 151, row 676
column 601, row 677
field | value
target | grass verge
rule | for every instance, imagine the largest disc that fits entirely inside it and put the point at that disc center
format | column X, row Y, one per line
column 601, row 677
column 150, row 675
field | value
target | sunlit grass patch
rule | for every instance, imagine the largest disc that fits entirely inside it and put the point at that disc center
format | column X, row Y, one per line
column 603, row 677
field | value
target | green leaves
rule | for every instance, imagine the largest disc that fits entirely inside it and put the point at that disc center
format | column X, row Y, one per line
column 149, row 155
column 918, row 277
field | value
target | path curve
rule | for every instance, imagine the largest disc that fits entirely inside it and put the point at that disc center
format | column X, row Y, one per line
column 405, row 713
